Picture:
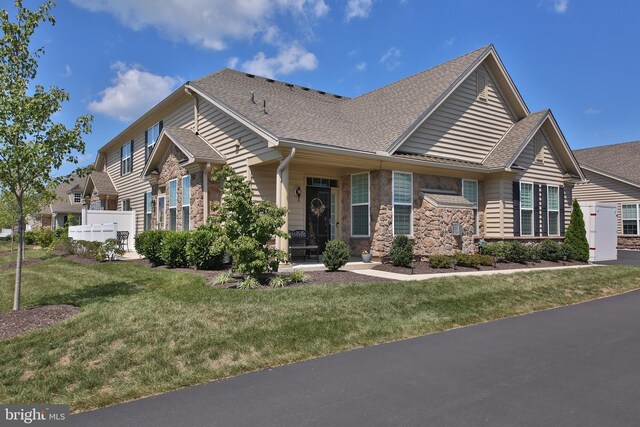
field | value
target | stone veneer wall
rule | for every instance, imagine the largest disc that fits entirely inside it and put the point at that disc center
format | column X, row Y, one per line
column 628, row 242
column 431, row 225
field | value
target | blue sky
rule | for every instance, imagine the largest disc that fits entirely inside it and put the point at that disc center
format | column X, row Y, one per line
column 117, row 58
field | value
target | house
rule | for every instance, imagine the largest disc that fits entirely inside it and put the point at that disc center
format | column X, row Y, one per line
column 613, row 176
column 68, row 202
column 447, row 156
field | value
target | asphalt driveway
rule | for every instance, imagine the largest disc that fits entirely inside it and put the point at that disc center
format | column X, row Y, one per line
column 578, row 365
column 625, row 258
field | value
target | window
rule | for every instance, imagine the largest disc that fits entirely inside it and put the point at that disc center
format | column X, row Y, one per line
column 147, row 211
column 77, row 197
column 126, row 205
column 161, row 213
column 360, row 204
column 526, row 209
column 173, row 203
column 553, row 206
column 470, row 192
column 97, row 205
column 402, row 203
column 126, row 159
column 186, row 201
column 630, row 219
column 151, row 136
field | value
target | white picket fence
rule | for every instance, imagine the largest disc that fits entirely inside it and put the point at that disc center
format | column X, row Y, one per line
column 94, row 232
column 125, row 220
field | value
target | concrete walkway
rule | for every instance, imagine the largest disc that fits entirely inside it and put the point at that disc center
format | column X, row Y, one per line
column 409, row 277
column 572, row 366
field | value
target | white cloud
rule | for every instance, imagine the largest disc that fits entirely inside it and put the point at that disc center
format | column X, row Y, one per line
column 560, row 6
column 390, row 58
column 449, row 42
column 592, row 111
column 361, row 66
column 206, row 23
column 358, row 9
column 288, row 60
column 133, row 92
column 233, row 62
column 67, row 71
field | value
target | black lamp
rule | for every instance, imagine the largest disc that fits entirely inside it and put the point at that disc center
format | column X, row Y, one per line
column 298, row 192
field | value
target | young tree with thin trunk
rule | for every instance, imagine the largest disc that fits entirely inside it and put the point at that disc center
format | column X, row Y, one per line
column 32, row 145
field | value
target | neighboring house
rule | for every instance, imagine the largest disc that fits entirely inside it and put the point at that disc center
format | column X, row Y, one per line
column 67, row 203
column 446, row 156
column 613, row 176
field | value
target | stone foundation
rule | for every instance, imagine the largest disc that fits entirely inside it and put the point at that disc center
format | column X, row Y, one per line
column 628, row 242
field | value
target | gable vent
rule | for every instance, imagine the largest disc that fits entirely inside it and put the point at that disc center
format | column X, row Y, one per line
column 538, row 147
column 482, row 87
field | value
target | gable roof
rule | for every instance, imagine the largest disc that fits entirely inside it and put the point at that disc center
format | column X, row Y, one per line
column 61, row 203
column 101, row 182
column 511, row 143
column 194, row 147
column 618, row 161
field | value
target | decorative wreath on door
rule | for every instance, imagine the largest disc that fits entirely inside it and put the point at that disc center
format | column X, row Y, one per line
column 317, row 207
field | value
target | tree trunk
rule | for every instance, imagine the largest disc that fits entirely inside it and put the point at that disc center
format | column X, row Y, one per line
column 16, row 295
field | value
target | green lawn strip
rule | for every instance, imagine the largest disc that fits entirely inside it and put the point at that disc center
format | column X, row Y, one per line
column 142, row 331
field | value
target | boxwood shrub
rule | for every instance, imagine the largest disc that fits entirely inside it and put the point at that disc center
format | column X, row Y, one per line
column 335, row 255
column 173, row 251
column 401, row 253
column 205, row 251
column 149, row 245
column 439, row 261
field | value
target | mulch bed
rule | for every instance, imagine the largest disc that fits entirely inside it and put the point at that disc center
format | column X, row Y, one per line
column 422, row 267
column 16, row 323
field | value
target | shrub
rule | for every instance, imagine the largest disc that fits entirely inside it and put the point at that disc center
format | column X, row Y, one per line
column 173, row 251
column 44, row 237
column 149, row 245
column 335, row 255
column 29, row 238
column 517, row 252
column 465, row 260
column 401, row 253
column 223, row 278
column 278, row 282
column 439, row 261
column 65, row 244
column 204, row 250
column 298, row 276
column 576, row 236
column 496, row 249
column 107, row 251
column 486, row 260
column 566, row 251
column 550, row 250
column 533, row 252
column 249, row 282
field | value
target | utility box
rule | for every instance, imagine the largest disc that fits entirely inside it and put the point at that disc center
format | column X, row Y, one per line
column 601, row 223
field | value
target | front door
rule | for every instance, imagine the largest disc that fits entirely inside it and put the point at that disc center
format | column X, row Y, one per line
column 318, row 215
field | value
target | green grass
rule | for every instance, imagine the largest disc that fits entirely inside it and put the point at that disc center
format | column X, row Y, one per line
column 142, row 331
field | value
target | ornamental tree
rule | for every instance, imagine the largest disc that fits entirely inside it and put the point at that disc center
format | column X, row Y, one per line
column 576, row 235
column 245, row 226
column 32, row 145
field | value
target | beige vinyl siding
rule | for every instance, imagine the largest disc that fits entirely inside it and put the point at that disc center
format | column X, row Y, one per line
column 131, row 186
column 603, row 189
column 493, row 207
column 550, row 171
column 463, row 127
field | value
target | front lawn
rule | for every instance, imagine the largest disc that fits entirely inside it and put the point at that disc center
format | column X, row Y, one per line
column 142, row 331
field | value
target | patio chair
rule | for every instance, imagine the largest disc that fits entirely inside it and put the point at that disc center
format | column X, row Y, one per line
column 299, row 241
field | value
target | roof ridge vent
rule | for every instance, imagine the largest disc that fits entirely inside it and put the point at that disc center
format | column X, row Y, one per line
column 270, row 80
column 250, row 75
column 322, row 92
column 304, row 88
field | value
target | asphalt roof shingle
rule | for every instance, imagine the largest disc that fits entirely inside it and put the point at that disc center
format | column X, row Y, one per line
column 103, row 184
column 195, row 144
column 620, row 160
column 61, row 203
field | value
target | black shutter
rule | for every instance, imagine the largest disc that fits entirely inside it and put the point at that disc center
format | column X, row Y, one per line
column 121, row 155
column 131, row 162
column 144, row 212
column 160, row 127
column 545, row 208
column 561, row 211
column 146, row 145
column 516, row 208
column 536, row 209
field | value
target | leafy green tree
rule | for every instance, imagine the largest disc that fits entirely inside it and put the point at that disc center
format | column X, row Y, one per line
column 32, row 145
column 32, row 204
column 246, row 226
column 576, row 235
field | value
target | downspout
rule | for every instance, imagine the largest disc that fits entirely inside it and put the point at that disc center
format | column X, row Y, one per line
column 205, row 192
column 285, row 226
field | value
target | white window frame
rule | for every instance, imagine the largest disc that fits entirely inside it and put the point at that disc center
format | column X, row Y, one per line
column 622, row 220
column 549, row 210
column 122, row 203
column 148, row 213
column 368, row 204
column 77, row 197
column 150, row 145
column 161, row 225
column 183, row 205
column 528, row 209
column 175, row 207
column 476, row 232
column 393, row 203
column 126, row 162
